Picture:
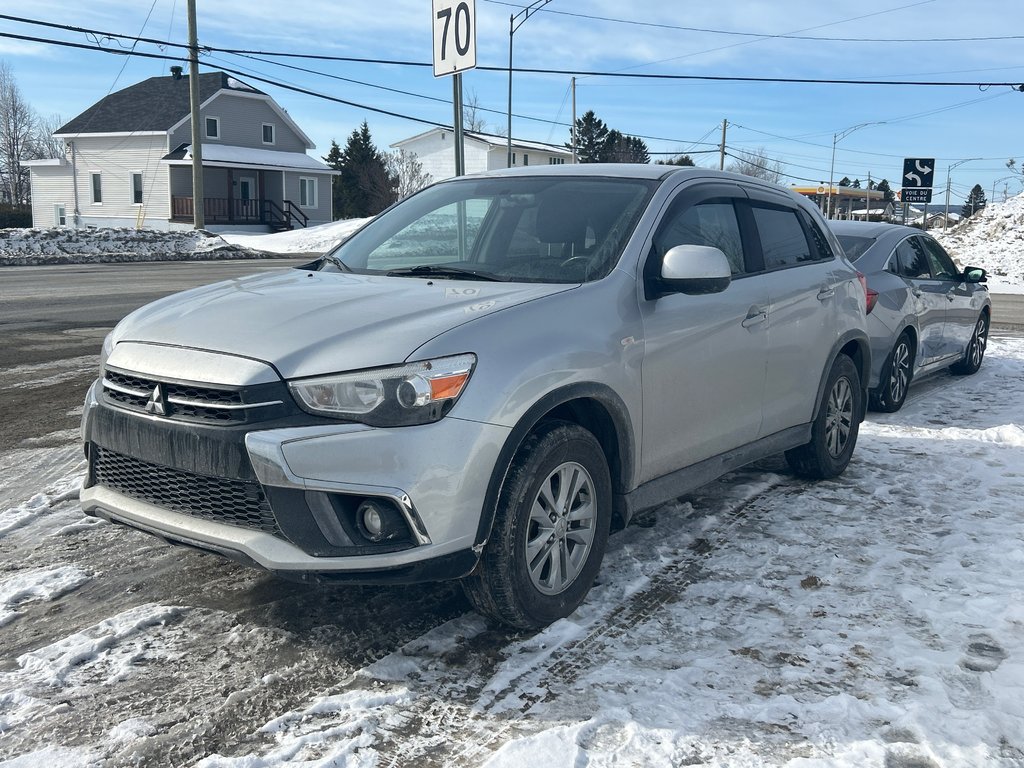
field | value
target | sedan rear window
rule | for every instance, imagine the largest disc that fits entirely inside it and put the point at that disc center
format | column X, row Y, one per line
column 855, row 246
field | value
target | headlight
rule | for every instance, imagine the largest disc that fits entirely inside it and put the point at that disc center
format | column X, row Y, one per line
column 105, row 350
column 414, row 393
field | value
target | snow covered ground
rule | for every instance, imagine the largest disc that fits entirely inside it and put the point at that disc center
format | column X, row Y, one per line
column 992, row 239
column 872, row 621
column 312, row 240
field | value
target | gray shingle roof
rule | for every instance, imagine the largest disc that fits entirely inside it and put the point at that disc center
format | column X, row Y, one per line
column 155, row 104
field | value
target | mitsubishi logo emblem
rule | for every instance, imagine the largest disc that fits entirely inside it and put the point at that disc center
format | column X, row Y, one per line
column 156, row 402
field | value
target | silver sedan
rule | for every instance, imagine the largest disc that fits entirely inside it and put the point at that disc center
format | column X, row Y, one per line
column 925, row 314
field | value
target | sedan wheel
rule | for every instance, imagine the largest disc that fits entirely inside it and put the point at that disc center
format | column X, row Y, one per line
column 975, row 352
column 896, row 375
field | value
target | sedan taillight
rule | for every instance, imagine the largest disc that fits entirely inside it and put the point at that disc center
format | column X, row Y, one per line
column 870, row 296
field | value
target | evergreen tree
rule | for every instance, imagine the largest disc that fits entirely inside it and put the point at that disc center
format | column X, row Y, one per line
column 680, row 160
column 591, row 136
column 844, row 182
column 975, row 202
column 367, row 188
column 883, row 187
column 334, row 161
column 855, row 184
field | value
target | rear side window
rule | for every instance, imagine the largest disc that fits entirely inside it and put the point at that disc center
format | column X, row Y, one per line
column 782, row 237
column 911, row 260
column 711, row 223
column 822, row 249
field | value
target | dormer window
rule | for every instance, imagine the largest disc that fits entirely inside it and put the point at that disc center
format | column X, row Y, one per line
column 268, row 133
column 213, row 127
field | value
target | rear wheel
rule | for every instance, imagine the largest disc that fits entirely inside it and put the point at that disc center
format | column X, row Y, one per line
column 550, row 529
column 975, row 351
column 896, row 375
column 835, row 428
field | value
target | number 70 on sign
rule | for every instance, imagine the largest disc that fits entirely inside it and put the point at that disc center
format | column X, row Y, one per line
column 454, row 36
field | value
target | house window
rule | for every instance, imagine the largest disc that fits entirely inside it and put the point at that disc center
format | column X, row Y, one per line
column 268, row 133
column 96, row 183
column 526, row 159
column 213, row 127
column 513, row 158
column 307, row 192
column 136, row 187
column 60, row 217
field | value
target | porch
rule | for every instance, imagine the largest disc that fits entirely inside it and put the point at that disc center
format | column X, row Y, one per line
column 278, row 216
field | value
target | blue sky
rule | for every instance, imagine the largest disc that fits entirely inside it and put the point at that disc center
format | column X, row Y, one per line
column 793, row 123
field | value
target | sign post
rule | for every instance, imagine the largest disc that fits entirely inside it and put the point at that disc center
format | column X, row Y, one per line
column 454, row 23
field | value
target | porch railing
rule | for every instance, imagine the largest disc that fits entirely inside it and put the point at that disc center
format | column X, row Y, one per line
column 223, row 210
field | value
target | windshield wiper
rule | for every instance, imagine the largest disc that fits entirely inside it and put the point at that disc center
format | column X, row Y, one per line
column 441, row 270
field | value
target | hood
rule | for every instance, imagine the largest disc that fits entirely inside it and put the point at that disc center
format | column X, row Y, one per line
column 311, row 323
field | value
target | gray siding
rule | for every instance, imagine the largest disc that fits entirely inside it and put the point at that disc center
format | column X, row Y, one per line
column 241, row 124
column 322, row 213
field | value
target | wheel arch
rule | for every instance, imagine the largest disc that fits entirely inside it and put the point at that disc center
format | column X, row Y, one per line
column 595, row 407
column 854, row 345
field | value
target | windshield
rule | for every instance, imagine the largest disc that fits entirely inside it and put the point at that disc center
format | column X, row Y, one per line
column 522, row 229
column 855, row 246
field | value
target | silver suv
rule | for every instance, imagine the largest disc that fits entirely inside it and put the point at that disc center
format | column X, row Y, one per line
column 482, row 378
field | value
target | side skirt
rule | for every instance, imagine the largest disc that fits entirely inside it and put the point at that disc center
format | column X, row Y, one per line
column 671, row 486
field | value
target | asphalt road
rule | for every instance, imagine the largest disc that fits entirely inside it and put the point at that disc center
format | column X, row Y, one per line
column 53, row 320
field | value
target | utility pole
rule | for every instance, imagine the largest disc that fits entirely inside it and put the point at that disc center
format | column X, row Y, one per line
column 721, row 147
column 197, row 144
column 460, row 150
column 574, row 120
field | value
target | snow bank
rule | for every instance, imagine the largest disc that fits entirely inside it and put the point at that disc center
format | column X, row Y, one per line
column 992, row 239
column 38, row 584
column 312, row 240
column 63, row 245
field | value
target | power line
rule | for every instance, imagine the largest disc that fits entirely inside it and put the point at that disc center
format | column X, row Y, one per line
column 767, row 36
column 523, row 70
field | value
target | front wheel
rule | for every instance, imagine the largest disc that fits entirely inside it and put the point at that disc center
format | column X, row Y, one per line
column 550, row 529
column 975, row 351
column 835, row 427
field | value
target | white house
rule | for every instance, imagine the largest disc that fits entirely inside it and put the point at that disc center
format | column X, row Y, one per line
column 128, row 162
column 483, row 152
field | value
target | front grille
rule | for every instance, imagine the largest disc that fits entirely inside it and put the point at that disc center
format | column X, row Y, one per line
column 183, row 402
column 233, row 502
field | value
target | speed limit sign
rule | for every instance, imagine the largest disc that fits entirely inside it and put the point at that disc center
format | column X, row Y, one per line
column 454, row 36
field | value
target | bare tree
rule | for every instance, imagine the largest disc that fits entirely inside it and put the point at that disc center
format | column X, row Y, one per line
column 18, row 127
column 758, row 165
column 407, row 168
column 472, row 120
column 45, row 145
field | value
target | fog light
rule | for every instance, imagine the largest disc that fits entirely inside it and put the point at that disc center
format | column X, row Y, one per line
column 378, row 520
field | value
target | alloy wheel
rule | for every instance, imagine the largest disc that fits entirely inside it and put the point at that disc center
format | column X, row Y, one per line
column 899, row 376
column 978, row 343
column 839, row 417
column 561, row 528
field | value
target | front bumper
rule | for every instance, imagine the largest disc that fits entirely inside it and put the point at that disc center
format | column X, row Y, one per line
column 436, row 475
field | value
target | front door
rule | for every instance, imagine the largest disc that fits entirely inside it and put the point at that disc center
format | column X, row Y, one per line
column 929, row 298
column 247, row 198
column 961, row 315
column 704, row 355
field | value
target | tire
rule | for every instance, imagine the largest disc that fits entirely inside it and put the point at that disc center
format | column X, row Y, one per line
column 975, row 352
column 550, row 529
column 896, row 375
column 835, row 427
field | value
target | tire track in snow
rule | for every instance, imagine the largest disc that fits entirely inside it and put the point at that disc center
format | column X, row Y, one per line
column 462, row 709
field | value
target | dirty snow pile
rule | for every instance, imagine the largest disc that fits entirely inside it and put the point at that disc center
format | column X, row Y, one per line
column 65, row 245
column 992, row 239
column 312, row 240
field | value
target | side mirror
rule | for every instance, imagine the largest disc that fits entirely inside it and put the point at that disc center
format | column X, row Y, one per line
column 695, row 269
column 975, row 275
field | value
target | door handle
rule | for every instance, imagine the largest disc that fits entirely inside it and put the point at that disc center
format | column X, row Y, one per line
column 755, row 316
column 918, row 293
column 826, row 292
column 951, row 294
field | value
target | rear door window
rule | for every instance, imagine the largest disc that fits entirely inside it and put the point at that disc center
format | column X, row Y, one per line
column 912, row 262
column 782, row 237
